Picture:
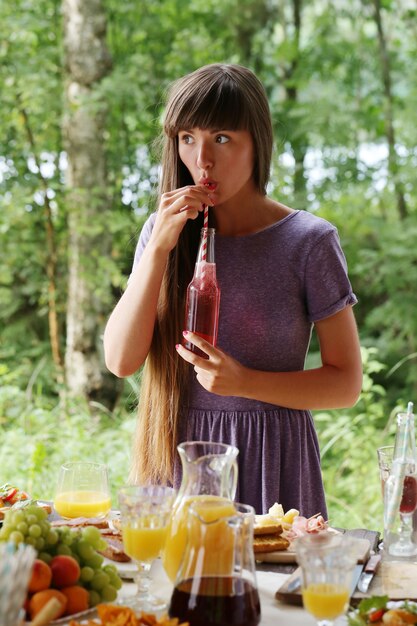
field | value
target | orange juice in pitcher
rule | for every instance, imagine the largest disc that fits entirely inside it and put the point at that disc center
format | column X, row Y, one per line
column 209, row 476
column 210, row 509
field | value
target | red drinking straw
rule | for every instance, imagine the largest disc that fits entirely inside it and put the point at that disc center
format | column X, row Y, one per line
column 205, row 229
column 204, row 245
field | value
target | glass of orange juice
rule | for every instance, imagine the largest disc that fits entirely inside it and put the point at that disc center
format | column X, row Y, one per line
column 145, row 514
column 82, row 490
column 327, row 562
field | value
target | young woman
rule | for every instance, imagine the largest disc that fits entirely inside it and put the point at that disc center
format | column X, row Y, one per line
column 280, row 271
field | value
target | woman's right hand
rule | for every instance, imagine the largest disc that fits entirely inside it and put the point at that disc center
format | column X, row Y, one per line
column 175, row 208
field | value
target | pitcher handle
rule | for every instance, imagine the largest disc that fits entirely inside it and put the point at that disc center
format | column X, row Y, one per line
column 233, row 479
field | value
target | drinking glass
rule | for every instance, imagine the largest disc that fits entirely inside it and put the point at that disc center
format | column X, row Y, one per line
column 408, row 506
column 385, row 456
column 327, row 563
column 82, row 490
column 145, row 513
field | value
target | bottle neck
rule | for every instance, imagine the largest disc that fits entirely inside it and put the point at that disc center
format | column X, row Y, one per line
column 206, row 250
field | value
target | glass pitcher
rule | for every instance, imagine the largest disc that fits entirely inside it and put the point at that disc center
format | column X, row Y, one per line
column 216, row 581
column 209, row 472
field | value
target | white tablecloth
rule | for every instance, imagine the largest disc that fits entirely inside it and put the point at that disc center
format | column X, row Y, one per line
column 273, row 612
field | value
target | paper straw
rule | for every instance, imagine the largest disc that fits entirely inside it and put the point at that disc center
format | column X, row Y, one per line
column 204, row 246
column 205, row 231
column 15, row 570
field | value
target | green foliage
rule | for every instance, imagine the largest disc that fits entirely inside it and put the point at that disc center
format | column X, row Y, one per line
column 349, row 440
column 37, row 435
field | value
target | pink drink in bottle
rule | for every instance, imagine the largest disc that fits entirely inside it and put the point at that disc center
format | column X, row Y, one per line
column 203, row 295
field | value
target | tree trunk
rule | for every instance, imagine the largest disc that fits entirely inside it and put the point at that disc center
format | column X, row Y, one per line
column 388, row 113
column 87, row 62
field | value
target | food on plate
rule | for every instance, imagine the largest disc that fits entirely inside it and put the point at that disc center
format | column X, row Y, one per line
column 70, row 558
column 111, row 535
column 78, row 599
column 269, row 543
column 270, row 528
column 114, row 550
column 379, row 611
column 65, row 571
column 41, row 576
column 13, row 497
column 283, row 527
column 80, row 522
column 9, row 495
column 110, row 615
column 41, row 599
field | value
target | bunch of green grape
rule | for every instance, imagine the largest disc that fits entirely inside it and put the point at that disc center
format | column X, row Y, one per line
column 29, row 525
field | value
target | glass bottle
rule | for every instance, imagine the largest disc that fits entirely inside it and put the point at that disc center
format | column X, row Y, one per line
column 203, row 294
column 400, row 500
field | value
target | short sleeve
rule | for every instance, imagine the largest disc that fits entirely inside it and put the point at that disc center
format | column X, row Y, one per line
column 145, row 235
column 327, row 285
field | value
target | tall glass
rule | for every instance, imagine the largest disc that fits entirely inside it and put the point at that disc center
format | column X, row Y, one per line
column 82, row 490
column 327, row 562
column 385, row 456
column 145, row 513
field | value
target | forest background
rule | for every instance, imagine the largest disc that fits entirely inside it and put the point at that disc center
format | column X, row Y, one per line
column 82, row 87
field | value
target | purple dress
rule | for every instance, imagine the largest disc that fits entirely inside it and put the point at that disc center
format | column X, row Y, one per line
column 274, row 285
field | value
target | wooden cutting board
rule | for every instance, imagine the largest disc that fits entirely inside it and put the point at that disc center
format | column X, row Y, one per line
column 396, row 580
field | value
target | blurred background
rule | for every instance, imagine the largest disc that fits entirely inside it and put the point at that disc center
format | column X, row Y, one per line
column 82, row 88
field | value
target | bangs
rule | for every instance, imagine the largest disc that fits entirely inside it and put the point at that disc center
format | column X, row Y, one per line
column 218, row 106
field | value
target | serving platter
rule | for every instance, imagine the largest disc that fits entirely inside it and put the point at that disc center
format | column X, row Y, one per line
column 288, row 555
column 78, row 617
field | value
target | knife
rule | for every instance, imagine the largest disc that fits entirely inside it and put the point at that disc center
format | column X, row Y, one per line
column 369, row 572
column 357, row 573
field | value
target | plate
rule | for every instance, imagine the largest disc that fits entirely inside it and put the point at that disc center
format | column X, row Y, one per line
column 281, row 556
column 76, row 616
column 127, row 571
column 362, row 547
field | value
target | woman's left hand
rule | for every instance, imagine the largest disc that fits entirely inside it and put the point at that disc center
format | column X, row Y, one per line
column 220, row 373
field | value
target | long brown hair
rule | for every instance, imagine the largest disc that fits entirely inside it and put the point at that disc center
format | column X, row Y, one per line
column 216, row 96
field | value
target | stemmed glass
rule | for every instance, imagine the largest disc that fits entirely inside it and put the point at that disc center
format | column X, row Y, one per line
column 404, row 546
column 82, row 490
column 145, row 513
column 327, row 562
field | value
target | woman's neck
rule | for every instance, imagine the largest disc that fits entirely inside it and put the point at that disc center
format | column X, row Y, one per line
column 248, row 215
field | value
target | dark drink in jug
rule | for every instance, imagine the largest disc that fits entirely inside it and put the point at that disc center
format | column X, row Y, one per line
column 217, row 601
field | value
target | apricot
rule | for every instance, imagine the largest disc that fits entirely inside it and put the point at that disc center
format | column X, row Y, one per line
column 77, row 599
column 41, row 576
column 65, row 571
column 40, row 598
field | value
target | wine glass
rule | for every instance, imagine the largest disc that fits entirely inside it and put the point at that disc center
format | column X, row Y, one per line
column 82, row 490
column 404, row 546
column 385, row 456
column 145, row 513
column 327, row 563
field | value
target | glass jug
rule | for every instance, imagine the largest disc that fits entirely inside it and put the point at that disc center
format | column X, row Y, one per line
column 209, row 472
column 216, row 581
